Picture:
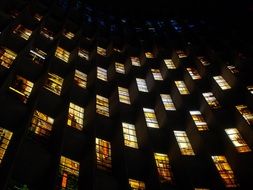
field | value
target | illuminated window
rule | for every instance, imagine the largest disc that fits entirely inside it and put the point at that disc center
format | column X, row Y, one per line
column 250, row 89
column 156, row 74
column 237, row 140
column 5, row 137
column 117, row 50
column 41, row 124
column 22, row 87
column 211, row 100
column 37, row 56
column 124, row 95
column 181, row 54
column 163, row 167
column 182, row 87
column 68, row 174
column 193, row 73
column 141, row 84
column 201, row 189
column 120, row 68
column 169, row 63
column 101, row 74
column 80, row 79
column 221, row 82
column 68, row 34
column 62, row 54
column 101, row 51
column 233, row 69
column 167, row 102
column 22, row 32
column 54, row 83
column 37, row 16
column 246, row 113
column 83, row 54
column 203, row 61
column 199, row 120
column 103, row 152
column 136, row 185
column 149, row 55
column 47, row 33
column 75, row 116
column 225, row 171
column 135, row 61
column 7, row 57
column 184, row 143
column 150, row 118
column 102, row 105
column 130, row 138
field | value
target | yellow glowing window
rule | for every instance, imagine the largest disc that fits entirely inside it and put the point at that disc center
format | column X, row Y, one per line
column 130, row 138
column 83, row 54
column 135, row 61
column 199, row 120
column 237, row 140
column 22, row 87
column 203, row 61
column 101, row 51
column 184, row 143
column 22, row 32
column 5, row 137
column 149, row 55
column 68, row 35
column 150, row 118
column 41, row 124
column 136, row 184
column 75, row 116
column 68, row 174
column 62, row 54
column 221, row 82
column 167, row 102
column 37, row 56
column 156, row 74
column 163, row 167
column 211, row 100
column 101, row 74
column 193, row 73
column 102, row 105
column 182, row 87
column 124, row 95
column 141, row 84
column 250, row 88
column 47, row 33
column 169, row 64
column 181, row 54
column 233, row 69
column 54, row 83
column 80, row 79
column 7, row 57
column 246, row 113
column 225, row 171
column 103, row 153
column 120, row 68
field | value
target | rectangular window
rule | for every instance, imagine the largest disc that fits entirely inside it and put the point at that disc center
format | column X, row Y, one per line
column 68, row 35
column 22, row 87
column 163, row 167
column 103, row 152
column 101, row 51
column 124, row 95
column 41, row 124
column 38, row 17
column 211, row 100
column 75, row 116
column 135, row 61
column 184, row 143
column 120, row 68
column 203, row 61
column 233, row 69
column 167, row 102
column 68, row 173
column 199, row 120
column 221, row 82
column 169, row 64
column 47, row 33
column 182, row 87
column 101, row 74
column 141, row 84
column 83, row 54
column 150, row 118
column 193, row 73
column 62, row 54
column 156, row 74
column 149, row 55
column 130, row 138
column 181, row 54
column 80, row 79
column 102, row 105
column 54, row 83
column 225, row 171
column 5, row 137
column 37, row 56
column 136, row 184
column 250, row 88
column 246, row 113
column 7, row 57
column 23, row 32
column 237, row 140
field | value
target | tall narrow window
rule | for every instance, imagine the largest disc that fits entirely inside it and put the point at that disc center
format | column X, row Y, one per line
column 225, row 171
column 37, row 56
column 193, row 73
column 124, row 95
column 169, row 64
column 203, row 61
column 246, row 113
column 62, row 54
column 149, row 55
column 237, row 140
column 23, row 32
column 102, row 105
column 7, row 57
column 103, row 152
column 167, row 102
column 136, row 184
column 182, row 87
column 5, row 137
column 101, row 51
column 75, row 116
column 211, row 100
column 163, row 167
column 54, row 83
column 101, row 73
column 141, row 84
column 83, row 54
column 221, row 82
column 68, row 173
column 135, row 61
column 199, row 120
column 156, row 74
column 130, row 138
column 150, row 118
column 120, row 68
column 80, row 79
column 184, row 143
column 22, row 87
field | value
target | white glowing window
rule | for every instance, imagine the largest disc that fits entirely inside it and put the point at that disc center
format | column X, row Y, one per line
column 150, row 118
column 193, row 73
column 184, row 143
column 167, row 102
column 169, row 64
column 120, row 68
column 83, row 54
column 221, row 82
column 141, row 84
column 156, row 74
column 129, row 133
column 124, row 95
column 135, row 61
column 101, row 73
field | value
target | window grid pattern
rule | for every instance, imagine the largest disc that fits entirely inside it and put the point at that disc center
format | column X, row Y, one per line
column 83, row 54
column 102, row 74
column 5, row 137
column 130, row 138
column 150, row 118
column 75, row 116
column 182, row 87
column 102, row 105
column 167, row 102
column 141, row 84
column 62, row 54
column 124, row 95
column 80, row 79
column 169, row 64
column 184, row 143
column 7, row 57
column 246, row 113
column 193, row 73
column 136, row 184
column 221, row 82
column 101, row 51
column 157, row 74
column 120, row 68
column 23, row 32
column 163, row 167
column 103, row 153
column 54, row 83
column 211, row 100
column 199, row 120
